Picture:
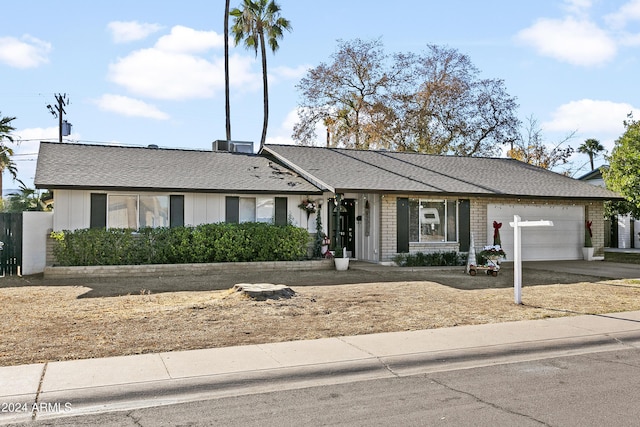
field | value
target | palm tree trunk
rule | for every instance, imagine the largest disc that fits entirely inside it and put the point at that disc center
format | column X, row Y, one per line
column 591, row 160
column 227, row 108
column 265, row 90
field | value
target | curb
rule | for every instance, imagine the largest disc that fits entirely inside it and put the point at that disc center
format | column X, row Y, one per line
column 172, row 391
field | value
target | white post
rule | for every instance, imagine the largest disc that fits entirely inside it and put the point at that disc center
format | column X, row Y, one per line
column 517, row 260
column 517, row 225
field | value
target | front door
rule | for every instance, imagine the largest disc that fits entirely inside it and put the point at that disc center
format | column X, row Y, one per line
column 347, row 218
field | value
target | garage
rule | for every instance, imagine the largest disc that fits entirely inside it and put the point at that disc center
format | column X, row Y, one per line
column 563, row 241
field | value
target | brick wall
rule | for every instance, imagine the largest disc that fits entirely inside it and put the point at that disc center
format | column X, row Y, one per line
column 594, row 211
column 50, row 259
column 388, row 232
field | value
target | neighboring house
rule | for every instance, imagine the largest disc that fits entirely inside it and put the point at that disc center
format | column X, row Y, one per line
column 380, row 203
column 621, row 231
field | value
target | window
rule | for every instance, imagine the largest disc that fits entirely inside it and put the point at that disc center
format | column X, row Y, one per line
column 265, row 208
column 122, row 211
column 433, row 220
column 137, row 211
column 247, row 209
column 254, row 209
column 154, row 211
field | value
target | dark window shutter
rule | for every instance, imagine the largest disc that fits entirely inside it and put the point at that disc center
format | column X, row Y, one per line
column 98, row 216
column 464, row 225
column 402, row 219
column 176, row 211
column 232, row 210
column 281, row 211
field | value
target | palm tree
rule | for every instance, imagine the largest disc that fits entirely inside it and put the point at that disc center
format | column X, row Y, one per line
column 591, row 147
column 27, row 199
column 257, row 20
column 227, row 108
column 6, row 162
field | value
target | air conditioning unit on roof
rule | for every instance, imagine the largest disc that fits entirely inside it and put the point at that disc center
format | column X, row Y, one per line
column 233, row 146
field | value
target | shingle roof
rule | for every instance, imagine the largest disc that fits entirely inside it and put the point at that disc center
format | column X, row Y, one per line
column 345, row 170
column 116, row 167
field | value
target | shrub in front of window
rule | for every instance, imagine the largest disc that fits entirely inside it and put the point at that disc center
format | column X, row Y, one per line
column 98, row 247
column 220, row 242
column 432, row 259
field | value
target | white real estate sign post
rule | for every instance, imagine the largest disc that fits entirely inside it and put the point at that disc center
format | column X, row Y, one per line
column 517, row 225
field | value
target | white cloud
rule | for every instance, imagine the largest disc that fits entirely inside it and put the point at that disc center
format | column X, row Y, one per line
column 129, row 107
column 630, row 11
column 577, row 7
column 577, row 42
column 29, row 139
column 630, row 40
column 283, row 134
column 280, row 140
column 174, row 68
column 591, row 118
column 29, row 52
column 123, row 32
column 288, row 73
column 188, row 40
column 160, row 74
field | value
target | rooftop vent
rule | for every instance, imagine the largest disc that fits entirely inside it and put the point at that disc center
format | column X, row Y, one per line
column 153, row 146
column 233, row 146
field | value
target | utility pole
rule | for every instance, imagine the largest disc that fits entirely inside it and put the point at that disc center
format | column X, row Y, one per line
column 59, row 112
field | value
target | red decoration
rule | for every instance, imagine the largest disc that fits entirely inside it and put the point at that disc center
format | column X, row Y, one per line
column 496, row 232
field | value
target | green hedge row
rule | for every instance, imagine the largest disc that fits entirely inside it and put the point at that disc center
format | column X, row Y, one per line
column 218, row 242
column 420, row 259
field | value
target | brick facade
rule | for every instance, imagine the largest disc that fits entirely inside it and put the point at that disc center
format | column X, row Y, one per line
column 594, row 211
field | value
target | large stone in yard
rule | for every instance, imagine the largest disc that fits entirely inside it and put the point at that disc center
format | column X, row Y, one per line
column 264, row 290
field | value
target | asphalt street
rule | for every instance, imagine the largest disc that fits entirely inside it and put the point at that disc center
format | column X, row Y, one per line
column 593, row 389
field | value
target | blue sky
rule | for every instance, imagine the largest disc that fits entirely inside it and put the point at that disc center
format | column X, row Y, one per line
column 151, row 71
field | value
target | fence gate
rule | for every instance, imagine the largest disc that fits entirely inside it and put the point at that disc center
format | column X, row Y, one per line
column 11, row 236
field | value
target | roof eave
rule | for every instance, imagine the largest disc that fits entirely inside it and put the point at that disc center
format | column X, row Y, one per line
column 299, row 170
column 173, row 190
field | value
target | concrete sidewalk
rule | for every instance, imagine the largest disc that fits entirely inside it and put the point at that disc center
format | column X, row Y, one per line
column 56, row 389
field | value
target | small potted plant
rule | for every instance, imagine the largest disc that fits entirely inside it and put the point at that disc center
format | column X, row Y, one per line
column 587, row 250
column 341, row 260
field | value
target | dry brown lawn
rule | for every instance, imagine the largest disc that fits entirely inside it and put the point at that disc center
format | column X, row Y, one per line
column 40, row 322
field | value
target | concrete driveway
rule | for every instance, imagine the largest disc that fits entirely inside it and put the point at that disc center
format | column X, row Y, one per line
column 609, row 270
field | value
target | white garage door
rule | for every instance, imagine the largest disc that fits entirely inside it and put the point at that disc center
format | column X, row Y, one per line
column 561, row 242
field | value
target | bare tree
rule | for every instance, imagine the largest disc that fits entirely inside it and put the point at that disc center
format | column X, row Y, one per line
column 531, row 148
column 342, row 95
column 432, row 102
